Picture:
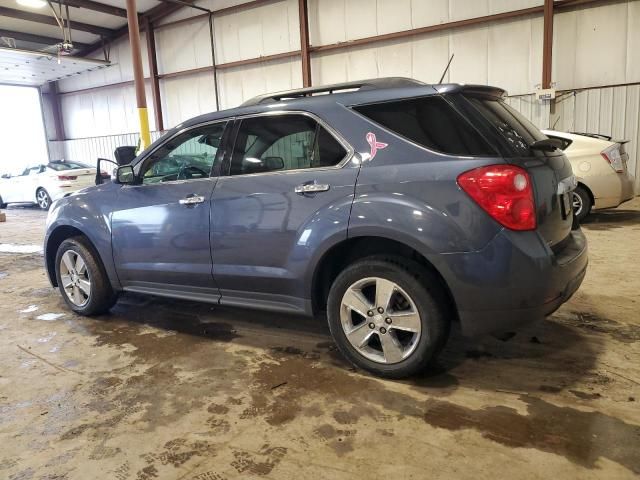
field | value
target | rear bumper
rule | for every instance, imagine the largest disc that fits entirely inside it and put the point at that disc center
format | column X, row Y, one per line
column 517, row 279
column 620, row 189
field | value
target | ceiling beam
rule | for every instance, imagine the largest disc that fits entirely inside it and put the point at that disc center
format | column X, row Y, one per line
column 153, row 15
column 40, row 39
column 50, row 20
column 96, row 7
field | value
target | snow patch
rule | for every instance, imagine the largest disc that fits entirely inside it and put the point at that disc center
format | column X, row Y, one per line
column 29, row 309
column 49, row 317
column 15, row 248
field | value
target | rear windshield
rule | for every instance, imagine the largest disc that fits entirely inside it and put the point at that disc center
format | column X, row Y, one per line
column 430, row 122
column 59, row 166
column 511, row 131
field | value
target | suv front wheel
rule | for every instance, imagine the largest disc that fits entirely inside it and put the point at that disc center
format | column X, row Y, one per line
column 388, row 316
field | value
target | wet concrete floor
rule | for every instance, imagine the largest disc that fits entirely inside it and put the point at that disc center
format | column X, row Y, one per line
column 161, row 389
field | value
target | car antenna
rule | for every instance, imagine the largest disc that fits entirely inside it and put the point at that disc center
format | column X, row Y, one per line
column 556, row 122
column 446, row 68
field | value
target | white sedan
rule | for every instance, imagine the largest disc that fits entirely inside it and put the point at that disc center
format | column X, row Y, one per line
column 600, row 164
column 43, row 184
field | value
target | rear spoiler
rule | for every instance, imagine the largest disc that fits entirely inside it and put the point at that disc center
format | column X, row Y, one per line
column 608, row 138
column 472, row 89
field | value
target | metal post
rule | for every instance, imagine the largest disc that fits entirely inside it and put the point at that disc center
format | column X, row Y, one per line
column 153, row 73
column 547, row 44
column 304, row 43
column 138, row 75
column 213, row 60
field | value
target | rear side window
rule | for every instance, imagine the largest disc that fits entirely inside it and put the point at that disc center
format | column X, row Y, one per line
column 430, row 122
column 270, row 143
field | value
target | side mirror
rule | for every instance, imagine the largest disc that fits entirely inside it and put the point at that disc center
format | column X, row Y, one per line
column 124, row 155
column 273, row 163
column 125, row 175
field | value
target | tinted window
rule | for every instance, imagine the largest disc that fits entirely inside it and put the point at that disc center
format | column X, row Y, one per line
column 185, row 157
column 513, row 130
column 565, row 142
column 286, row 142
column 430, row 122
column 59, row 166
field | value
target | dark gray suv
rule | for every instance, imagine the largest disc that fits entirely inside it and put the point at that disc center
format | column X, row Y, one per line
column 396, row 207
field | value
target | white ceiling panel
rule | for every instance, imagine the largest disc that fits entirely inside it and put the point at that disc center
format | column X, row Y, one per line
column 23, row 67
column 17, row 25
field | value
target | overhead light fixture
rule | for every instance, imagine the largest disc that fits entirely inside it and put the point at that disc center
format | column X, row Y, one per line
column 32, row 3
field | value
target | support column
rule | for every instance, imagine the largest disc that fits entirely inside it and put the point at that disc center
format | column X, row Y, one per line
column 153, row 73
column 304, row 43
column 138, row 75
column 56, row 107
column 547, row 44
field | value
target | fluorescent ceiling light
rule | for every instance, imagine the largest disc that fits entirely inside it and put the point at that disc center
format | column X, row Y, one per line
column 32, row 3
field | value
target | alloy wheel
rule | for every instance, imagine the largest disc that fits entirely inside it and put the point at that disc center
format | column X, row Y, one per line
column 577, row 204
column 380, row 320
column 75, row 278
column 43, row 199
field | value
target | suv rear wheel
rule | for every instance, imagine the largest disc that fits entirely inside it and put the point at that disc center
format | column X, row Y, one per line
column 43, row 199
column 388, row 316
column 81, row 278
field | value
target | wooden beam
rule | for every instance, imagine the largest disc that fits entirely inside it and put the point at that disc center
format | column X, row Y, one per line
column 40, row 39
column 50, row 20
column 304, row 42
column 547, row 43
column 96, row 7
column 153, row 73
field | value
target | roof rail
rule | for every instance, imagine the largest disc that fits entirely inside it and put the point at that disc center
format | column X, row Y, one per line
column 371, row 84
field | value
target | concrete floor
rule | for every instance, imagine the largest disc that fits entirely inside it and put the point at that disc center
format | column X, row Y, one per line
column 176, row 390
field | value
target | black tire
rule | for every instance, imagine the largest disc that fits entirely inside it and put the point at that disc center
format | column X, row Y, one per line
column 427, row 294
column 583, row 199
column 2, row 205
column 43, row 199
column 102, row 296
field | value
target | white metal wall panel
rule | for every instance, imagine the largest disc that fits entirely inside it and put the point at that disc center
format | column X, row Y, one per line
column 187, row 96
column 332, row 21
column 241, row 83
column 609, row 33
column 106, row 111
column 265, row 30
column 609, row 111
column 183, row 47
column 480, row 54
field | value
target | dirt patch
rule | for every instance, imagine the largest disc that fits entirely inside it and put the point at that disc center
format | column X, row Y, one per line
column 596, row 323
column 260, row 463
column 582, row 437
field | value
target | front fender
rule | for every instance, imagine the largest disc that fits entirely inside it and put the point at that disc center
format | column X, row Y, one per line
column 89, row 213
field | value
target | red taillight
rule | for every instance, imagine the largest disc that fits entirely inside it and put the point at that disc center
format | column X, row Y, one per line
column 612, row 155
column 65, row 177
column 504, row 192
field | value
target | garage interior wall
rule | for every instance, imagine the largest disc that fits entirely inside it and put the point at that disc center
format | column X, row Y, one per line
column 596, row 63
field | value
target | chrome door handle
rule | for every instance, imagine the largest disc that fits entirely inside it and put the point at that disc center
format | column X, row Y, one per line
column 311, row 188
column 191, row 200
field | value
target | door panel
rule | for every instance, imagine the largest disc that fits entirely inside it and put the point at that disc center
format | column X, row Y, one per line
column 161, row 228
column 287, row 194
column 159, row 242
column 264, row 234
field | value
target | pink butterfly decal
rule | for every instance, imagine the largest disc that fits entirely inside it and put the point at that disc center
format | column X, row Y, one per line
column 375, row 144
